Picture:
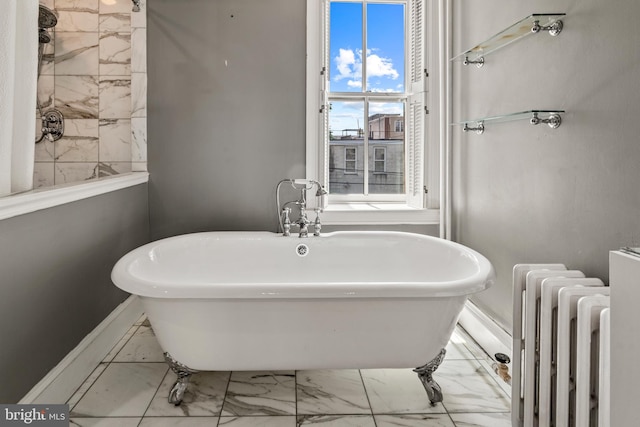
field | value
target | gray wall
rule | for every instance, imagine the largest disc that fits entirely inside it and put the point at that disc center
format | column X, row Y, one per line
column 226, row 122
column 55, row 266
column 526, row 194
column 226, row 113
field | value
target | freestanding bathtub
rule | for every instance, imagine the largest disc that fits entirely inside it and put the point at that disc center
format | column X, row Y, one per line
column 261, row 301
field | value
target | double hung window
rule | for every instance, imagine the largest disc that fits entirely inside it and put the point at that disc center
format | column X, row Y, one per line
column 379, row 160
column 350, row 160
column 371, row 97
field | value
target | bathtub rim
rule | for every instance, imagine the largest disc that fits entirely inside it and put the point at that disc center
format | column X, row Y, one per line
column 482, row 279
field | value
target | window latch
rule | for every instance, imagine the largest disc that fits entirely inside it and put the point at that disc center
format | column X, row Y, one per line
column 426, row 73
column 426, row 110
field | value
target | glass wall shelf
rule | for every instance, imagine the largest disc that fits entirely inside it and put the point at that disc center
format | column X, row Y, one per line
column 530, row 25
column 631, row 251
column 550, row 117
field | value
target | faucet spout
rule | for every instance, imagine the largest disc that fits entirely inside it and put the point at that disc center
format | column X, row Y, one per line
column 303, row 222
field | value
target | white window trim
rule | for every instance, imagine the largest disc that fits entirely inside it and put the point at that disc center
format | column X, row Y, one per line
column 382, row 213
column 48, row 197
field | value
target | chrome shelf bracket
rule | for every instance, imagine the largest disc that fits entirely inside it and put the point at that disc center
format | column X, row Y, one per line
column 479, row 128
column 554, row 120
column 553, row 29
column 479, row 62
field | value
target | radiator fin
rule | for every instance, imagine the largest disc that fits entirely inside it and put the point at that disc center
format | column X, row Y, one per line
column 560, row 347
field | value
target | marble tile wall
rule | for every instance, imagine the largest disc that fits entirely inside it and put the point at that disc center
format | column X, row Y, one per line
column 94, row 72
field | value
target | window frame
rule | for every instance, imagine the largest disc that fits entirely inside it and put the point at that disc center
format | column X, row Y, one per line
column 386, row 209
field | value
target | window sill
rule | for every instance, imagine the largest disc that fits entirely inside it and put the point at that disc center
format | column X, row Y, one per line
column 377, row 213
column 35, row 200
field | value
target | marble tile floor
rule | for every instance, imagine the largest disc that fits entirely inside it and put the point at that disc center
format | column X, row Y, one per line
column 131, row 385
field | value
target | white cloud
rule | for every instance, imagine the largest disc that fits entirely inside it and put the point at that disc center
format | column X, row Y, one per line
column 378, row 90
column 347, row 64
column 380, row 67
column 354, row 83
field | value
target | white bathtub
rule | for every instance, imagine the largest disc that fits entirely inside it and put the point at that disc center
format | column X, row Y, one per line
column 257, row 301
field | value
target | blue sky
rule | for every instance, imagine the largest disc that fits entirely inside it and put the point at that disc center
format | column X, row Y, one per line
column 385, row 58
column 385, row 47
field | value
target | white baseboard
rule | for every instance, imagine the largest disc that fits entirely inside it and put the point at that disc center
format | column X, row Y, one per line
column 63, row 380
column 485, row 331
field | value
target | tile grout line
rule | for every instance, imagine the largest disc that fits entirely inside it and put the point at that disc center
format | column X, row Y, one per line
column 451, row 418
column 295, row 384
column 83, row 383
column 108, row 363
column 137, row 327
column 366, row 393
column 224, row 398
column 154, row 395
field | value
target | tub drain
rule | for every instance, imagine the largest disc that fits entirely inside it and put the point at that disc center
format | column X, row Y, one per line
column 302, row 249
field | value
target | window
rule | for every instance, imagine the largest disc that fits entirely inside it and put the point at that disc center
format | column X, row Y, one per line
column 350, row 160
column 380, row 160
column 371, row 80
column 366, row 91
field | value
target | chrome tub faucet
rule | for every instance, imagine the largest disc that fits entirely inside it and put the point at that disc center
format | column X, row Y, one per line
column 303, row 221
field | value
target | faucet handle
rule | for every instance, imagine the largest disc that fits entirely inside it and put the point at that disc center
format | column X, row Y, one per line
column 317, row 226
column 286, row 222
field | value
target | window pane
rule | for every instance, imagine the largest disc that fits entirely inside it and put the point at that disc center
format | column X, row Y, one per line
column 345, row 68
column 386, row 148
column 346, row 147
column 385, row 48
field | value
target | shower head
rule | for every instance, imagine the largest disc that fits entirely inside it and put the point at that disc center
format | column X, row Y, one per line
column 47, row 18
column 321, row 191
column 43, row 36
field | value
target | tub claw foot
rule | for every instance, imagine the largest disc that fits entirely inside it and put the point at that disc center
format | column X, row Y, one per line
column 425, row 373
column 180, row 386
column 177, row 391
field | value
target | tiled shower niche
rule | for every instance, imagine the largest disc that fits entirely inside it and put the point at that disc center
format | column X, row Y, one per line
column 94, row 72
